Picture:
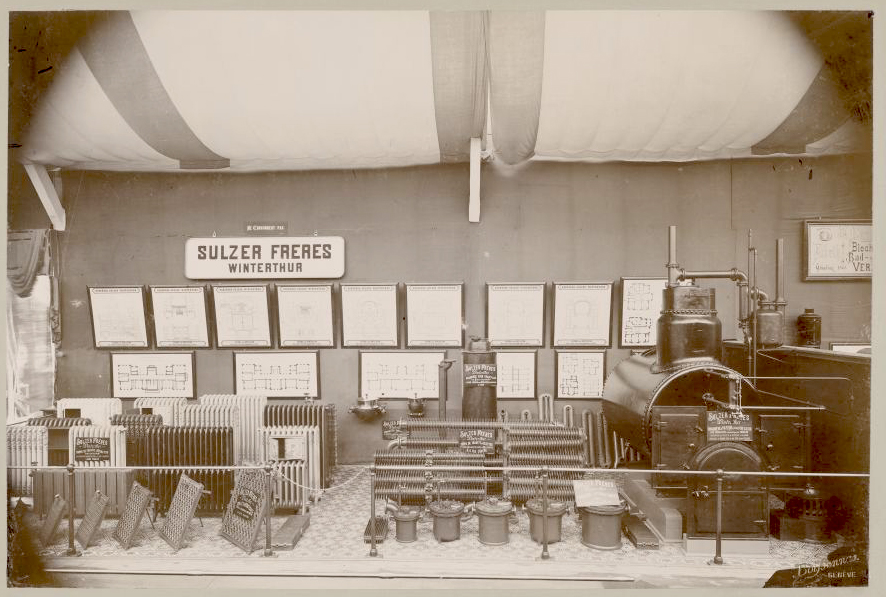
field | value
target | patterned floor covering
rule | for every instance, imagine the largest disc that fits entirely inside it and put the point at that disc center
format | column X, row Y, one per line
column 339, row 519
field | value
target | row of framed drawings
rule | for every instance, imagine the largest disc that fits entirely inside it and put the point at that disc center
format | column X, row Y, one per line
column 369, row 315
column 383, row 374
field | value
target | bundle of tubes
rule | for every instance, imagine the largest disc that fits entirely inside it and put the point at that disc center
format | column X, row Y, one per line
column 468, row 484
column 606, row 448
column 543, row 444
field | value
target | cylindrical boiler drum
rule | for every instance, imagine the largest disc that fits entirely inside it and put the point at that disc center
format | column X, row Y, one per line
column 688, row 329
column 632, row 389
column 478, row 394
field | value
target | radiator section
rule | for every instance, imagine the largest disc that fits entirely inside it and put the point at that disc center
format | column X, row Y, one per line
column 116, row 436
column 165, row 407
column 214, row 415
column 322, row 417
column 57, row 422
column 295, row 443
column 291, row 482
column 113, row 483
column 99, row 410
column 24, row 447
column 250, row 409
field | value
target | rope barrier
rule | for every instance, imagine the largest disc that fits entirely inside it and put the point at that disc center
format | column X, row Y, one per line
column 322, row 490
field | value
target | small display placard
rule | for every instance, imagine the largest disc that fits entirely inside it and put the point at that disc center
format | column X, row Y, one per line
column 92, row 519
column 480, row 374
column 476, row 441
column 595, row 492
column 729, row 426
column 391, row 430
column 92, row 449
column 243, row 517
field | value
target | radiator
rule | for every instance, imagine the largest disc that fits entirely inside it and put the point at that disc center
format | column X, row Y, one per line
column 316, row 415
column 251, row 409
column 99, row 410
column 115, row 433
column 57, row 422
column 165, row 407
column 24, row 446
column 114, row 484
column 287, row 495
column 136, row 427
column 311, row 435
column 214, row 415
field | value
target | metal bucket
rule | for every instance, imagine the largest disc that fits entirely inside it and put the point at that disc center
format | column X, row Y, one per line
column 601, row 526
column 493, row 517
column 555, row 513
column 407, row 524
column 447, row 519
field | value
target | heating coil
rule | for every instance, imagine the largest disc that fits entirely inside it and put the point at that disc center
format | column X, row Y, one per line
column 468, row 484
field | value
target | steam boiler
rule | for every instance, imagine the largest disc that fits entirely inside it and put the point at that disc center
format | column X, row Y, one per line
column 684, row 410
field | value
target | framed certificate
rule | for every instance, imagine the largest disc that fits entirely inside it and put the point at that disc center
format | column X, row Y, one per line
column 241, row 316
column 434, row 315
column 838, row 250
column 180, row 316
column 304, row 316
column 515, row 374
column 369, row 315
column 641, row 300
column 582, row 314
column 400, row 374
column 580, row 373
column 278, row 374
column 118, row 316
column 515, row 314
column 153, row 374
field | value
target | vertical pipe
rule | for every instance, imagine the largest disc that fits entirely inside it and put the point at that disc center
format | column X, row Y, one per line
column 443, row 388
column 754, row 320
column 749, row 307
column 270, row 504
column 544, row 513
column 372, row 550
column 672, row 256
column 779, row 273
column 718, row 556
column 72, row 551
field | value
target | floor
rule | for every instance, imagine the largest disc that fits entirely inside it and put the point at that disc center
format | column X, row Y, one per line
column 332, row 554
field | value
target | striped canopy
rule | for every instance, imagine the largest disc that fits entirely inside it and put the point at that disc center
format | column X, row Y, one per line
column 299, row 90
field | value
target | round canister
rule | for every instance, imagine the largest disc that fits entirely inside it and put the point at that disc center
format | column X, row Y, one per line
column 493, row 516
column 406, row 519
column 447, row 519
column 601, row 526
column 556, row 510
column 809, row 329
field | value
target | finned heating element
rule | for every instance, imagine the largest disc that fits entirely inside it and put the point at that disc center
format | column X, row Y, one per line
column 418, row 487
column 136, row 427
column 295, row 443
column 214, row 415
column 167, row 408
column 56, row 422
column 315, row 415
column 99, row 410
column 251, row 409
column 291, row 483
column 25, row 445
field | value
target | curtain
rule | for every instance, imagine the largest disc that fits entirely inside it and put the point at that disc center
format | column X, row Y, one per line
column 25, row 256
column 30, row 351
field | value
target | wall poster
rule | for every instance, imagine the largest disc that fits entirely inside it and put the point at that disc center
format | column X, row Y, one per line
column 838, row 249
column 241, row 316
column 153, row 374
column 582, row 314
column 641, row 300
column 179, row 314
column 118, row 316
column 515, row 374
column 580, row 374
column 515, row 314
column 278, row 374
column 434, row 315
column 369, row 315
column 304, row 316
column 400, row 374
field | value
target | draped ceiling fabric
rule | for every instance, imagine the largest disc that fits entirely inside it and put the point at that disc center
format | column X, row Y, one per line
column 299, row 90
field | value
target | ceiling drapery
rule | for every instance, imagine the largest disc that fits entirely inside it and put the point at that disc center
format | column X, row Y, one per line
column 296, row 90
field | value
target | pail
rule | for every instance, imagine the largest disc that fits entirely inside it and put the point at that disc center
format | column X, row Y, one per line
column 492, row 515
column 447, row 519
column 601, row 526
column 407, row 524
column 556, row 510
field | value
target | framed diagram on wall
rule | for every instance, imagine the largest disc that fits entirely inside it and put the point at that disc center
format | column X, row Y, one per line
column 582, row 314
column 153, row 374
column 400, row 374
column 179, row 315
column 580, row 373
column 640, row 308
column 515, row 374
column 304, row 316
column 515, row 314
column 278, row 374
column 241, row 316
column 369, row 315
column 838, row 250
column 434, row 315
column 118, row 316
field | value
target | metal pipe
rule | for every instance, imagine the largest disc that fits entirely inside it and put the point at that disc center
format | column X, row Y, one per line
column 443, row 387
column 754, row 319
column 490, row 424
column 544, row 514
column 372, row 550
column 718, row 557
column 567, row 469
column 72, row 551
column 673, row 267
column 779, row 273
column 568, row 416
column 268, row 551
column 736, row 275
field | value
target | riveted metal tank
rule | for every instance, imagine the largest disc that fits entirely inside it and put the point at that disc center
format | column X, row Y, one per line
column 688, row 329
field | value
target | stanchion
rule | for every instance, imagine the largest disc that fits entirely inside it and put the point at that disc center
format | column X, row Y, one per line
column 72, row 551
column 718, row 557
column 544, row 513
column 373, row 552
column 270, row 504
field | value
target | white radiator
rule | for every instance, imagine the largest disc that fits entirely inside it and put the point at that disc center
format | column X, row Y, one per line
column 251, row 409
column 290, row 485
column 165, row 407
column 98, row 410
column 116, row 434
column 213, row 415
column 307, row 449
column 24, row 446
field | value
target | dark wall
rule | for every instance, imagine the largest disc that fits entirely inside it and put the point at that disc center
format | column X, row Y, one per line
column 541, row 222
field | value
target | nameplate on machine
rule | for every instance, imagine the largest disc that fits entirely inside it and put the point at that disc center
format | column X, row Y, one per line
column 729, row 426
column 476, row 441
column 271, row 257
column 92, row 449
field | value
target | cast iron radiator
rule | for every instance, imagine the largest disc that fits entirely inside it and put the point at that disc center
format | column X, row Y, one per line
column 136, row 427
column 99, row 410
column 25, row 445
column 250, row 409
column 167, row 408
column 313, row 415
column 113, row 483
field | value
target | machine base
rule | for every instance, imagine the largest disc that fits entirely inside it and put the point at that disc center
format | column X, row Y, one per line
column 662, row 514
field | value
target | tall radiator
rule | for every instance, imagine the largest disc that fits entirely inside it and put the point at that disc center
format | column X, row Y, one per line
column 24, row 446
column 92, row 453
column 99, row 410
column 165, row 407
column 251, row 409
column 295, row 443
column 214, row 415
column 320, row 416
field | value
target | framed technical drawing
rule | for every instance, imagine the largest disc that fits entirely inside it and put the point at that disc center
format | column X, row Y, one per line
column 640, row 308
column 180, row 316
column 153, row 374
column 278, row 374
column 851, row 347
column 304, row 316
column 400, row 373
column 118, row 316
column 515, row 374
column 582, row 314
column 580, row 374
column 241, row 316
column 837, row 249
column 369, row 315
column 515, row 314
column 434, row 315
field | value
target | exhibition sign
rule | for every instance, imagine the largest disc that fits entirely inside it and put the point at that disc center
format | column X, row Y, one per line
column 260, row 257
